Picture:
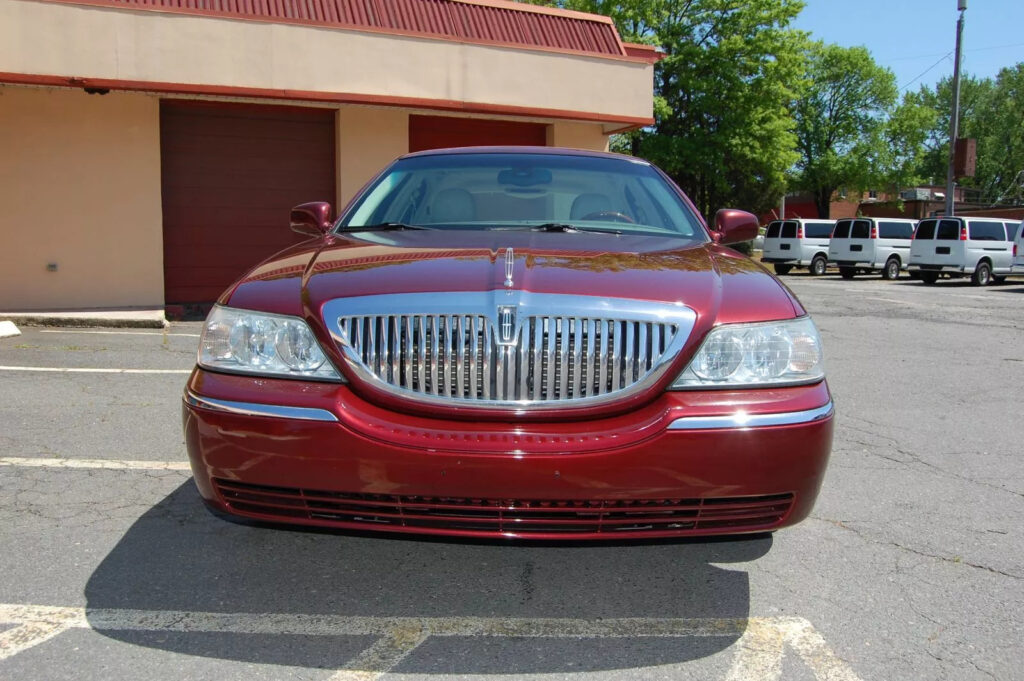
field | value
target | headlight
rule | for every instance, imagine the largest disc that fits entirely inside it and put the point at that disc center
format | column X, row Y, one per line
column 755, row 355
column 256, row 343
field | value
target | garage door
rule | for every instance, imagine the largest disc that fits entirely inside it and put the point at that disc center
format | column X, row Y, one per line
column 230, row 174
column 440, row 132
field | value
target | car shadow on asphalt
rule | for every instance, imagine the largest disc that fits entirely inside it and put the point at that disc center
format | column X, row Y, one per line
column 179, row 557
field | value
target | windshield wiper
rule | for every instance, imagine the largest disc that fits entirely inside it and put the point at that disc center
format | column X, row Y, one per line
column 567, row 227
column 382, row 227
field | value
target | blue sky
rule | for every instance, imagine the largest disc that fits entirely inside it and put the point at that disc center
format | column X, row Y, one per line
column 912, row 36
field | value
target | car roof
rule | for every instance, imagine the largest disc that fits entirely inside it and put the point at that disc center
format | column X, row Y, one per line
column 524, row 150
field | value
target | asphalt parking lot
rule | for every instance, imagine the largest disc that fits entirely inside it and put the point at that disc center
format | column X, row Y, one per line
column 909, row 568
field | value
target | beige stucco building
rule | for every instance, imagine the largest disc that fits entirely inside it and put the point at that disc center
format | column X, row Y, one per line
column 149, row 151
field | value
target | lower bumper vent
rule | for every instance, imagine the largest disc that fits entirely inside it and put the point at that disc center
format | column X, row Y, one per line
column 551, row 519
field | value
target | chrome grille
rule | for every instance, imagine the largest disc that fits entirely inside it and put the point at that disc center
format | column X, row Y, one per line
column 439, row 355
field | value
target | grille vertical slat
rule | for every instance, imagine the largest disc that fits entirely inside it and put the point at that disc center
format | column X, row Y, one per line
column 407, row 362
column 563, row 358
column 461, row 357
column 433, row 338
column 524, row 364
column 588, row 363
column 396, row 350
column 630, row 352
column 641, row 354
column 602, row 385
column 460, row 329
column 473, row 351
column 421, row 355
column 550, row 339
column 487, row 340
column 538, row 358
column 575, row 364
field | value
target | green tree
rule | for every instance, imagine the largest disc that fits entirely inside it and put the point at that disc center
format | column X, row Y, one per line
column 999, row 129
column 974, row 94
column 840, row 121
column 722, row 129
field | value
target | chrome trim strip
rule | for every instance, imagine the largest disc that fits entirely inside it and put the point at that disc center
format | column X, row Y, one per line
column 254, row 409
column 742, row 420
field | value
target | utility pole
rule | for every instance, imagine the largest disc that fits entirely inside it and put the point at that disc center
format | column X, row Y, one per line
column 954, row 119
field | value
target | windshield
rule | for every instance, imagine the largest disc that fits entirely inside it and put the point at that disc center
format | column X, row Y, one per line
column 525, row 191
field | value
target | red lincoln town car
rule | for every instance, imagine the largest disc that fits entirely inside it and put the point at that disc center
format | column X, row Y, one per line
column 512, row 342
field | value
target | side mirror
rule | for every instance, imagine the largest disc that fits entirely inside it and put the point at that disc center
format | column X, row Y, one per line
column 312, row 218
column 734, row 226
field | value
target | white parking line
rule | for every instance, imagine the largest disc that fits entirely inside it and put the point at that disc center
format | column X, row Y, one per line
column 758, row 657
column 122, row 333
column 99, row 370
column 111, row 464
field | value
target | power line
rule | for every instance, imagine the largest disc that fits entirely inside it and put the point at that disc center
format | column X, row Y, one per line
column 918, row 76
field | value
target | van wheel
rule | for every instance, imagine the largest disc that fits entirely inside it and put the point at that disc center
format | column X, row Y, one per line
column 782, row 269
column 818, row 265
column 892, row 269
column 847, row 272
column 929, row 277
column 982, row 275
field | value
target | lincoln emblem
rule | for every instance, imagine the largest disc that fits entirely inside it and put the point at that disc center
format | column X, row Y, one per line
column 510, row 259
column 507, row 324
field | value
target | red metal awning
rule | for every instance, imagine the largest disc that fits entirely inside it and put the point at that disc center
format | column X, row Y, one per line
column 488, row 21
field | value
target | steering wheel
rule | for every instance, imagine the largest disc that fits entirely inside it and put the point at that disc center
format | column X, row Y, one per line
column 609, row 215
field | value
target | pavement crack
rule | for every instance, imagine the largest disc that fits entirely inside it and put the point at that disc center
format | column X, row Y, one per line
column 955, row 560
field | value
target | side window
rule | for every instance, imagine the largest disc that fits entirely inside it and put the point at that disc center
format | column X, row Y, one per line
column 895, row 230
column 842, row 230
column 773, row 230
column 925, row 229
column 818, row 230
column 861, row 229
column 986, row 231
column 949, row 230
column 1012, row 228
column 789, row 230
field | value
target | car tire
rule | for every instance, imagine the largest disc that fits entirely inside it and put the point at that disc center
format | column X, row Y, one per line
column 982, row 275
column 818, row 266
column 782, row 269
column 929, row 277
column 847, row 272
column 892, row 269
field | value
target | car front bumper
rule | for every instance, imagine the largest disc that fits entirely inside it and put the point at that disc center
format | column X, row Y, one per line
column 690, row 463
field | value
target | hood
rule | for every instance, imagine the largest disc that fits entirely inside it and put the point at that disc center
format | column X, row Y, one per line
column 716, row 282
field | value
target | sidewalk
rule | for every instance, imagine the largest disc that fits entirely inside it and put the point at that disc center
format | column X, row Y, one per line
column 142, row 318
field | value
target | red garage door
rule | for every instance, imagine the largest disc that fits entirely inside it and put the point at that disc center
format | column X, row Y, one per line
column 440, row 132
column 230, row 174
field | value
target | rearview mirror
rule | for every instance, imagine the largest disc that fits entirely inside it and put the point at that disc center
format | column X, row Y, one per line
column 734, row 226
column 312, row 218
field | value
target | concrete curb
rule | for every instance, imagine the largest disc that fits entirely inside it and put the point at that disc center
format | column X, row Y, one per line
column 119, row 320
column 8, row 329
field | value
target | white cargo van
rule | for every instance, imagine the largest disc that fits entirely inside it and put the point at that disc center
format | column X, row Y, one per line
column 797, row 243
column 872, row 245
column 1018, row 250
column 961, row 246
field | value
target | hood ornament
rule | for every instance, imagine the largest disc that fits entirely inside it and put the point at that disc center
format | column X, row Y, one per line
column 509, row 263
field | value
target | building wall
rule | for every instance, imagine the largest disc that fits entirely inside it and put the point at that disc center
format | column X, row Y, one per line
column 79, row 187
column 369, row 138
column 143, row 47
column 577, row 136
